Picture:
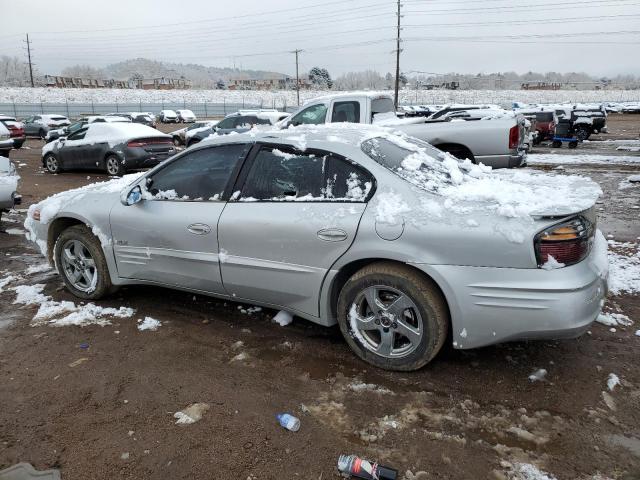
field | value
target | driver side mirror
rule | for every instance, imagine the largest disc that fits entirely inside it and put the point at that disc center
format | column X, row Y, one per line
column 132, row 196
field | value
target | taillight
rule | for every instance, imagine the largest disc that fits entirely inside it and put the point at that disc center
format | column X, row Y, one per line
column 136, row 143
column 514, row 136
column 568, row 242
column 149, row 141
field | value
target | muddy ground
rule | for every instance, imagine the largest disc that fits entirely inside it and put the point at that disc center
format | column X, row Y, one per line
column 106, row 411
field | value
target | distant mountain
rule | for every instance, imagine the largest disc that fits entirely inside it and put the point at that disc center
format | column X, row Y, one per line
column 199, row 75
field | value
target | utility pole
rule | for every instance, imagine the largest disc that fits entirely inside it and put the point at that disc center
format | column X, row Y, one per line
column 297, row 51
column 30, row 64
column 397, row 59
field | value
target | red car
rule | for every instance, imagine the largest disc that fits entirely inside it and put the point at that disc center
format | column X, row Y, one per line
column 16, row 130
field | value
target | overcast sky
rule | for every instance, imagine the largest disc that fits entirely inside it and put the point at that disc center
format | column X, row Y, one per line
column 347, row 35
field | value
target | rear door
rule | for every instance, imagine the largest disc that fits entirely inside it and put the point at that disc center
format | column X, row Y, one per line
column 293, row 216
column 171, row 237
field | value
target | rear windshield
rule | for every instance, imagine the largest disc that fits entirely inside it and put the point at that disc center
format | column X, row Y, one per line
column 58, row 118
column 417, row 162
column 544, row 116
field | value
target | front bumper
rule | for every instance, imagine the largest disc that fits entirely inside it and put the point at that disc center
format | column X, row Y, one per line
column 493, row 305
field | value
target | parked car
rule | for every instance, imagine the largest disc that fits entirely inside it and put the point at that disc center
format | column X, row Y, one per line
column 111, row 146
column 498, row 143
column 168, row 116
column 545, row 125
column 399, row 243
column 66, row 131
column 39, row 125
column 136, row 117
column 585, row 120
column 181, row 135
column 16, row 130
column 238, row 122
column 9, row 197
column 6, row 142
column 186, row 116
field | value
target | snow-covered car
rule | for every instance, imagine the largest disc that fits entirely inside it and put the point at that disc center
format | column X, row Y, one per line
column 8, row 185
column 39, row 125
column 186, row 116
column 168, row 116
column 238, row 122
column 115, row 147
column 401, row 244
column 136, row 117
column 16, row 130
column 182, row 135
column 66, row 131
column 6, row 142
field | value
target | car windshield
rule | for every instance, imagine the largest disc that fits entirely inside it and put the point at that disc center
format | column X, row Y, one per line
column 419, row 163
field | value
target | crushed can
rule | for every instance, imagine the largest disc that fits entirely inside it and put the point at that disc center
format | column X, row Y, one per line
column 360, row 468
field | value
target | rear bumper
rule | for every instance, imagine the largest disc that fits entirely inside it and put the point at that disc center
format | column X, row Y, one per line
column 136, row 158
column 513, row 160
column 493, row 305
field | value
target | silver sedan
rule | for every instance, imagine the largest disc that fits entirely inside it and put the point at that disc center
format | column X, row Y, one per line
column 400, row 244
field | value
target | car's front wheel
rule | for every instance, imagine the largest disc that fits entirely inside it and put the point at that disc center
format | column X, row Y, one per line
column 393, row 317
column 80, row 261
column 583, row 133
column 52, row 164
column 114, row 166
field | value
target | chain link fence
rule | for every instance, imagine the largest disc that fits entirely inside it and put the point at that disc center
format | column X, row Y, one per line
column 75, row 110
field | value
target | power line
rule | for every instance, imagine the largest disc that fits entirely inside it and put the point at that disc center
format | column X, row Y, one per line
column 536, row 7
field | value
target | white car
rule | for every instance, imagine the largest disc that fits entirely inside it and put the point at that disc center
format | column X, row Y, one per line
column 8, row 185
column 168, row 116
column 186, row 116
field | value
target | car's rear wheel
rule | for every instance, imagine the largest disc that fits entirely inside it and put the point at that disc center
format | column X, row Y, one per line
column 114, row 166
column 393, row 317
column 556, row 144
column 80, row 260
column 51, row 163
column 583, row 133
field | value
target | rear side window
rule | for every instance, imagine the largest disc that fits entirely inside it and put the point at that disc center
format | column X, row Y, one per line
column 381, row 105
column 278, row 175
column 346, row 112
column 201, row 175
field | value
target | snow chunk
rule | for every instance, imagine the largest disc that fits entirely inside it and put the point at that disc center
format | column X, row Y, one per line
column 614, row 319
column 538, row 375
column 552, row 263
column 360, row 387
column 283, row 318
column 149, row 324
column 390, row 206
column 613, row 381
column 624, row 268
column 192, row 414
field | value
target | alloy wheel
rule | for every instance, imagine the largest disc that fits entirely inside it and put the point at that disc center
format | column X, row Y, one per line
column 52, row 164
column 79, row 266
column 112, row 166
column 386, row 321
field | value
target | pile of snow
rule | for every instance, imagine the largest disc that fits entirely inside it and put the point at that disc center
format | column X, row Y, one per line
column 6, row 281
column 65, row 313
column 360, row 387
column 538, row 375
column 624, row 267
column 527, row 471
column 561, row 159
column 614, row 319
column 149, row 324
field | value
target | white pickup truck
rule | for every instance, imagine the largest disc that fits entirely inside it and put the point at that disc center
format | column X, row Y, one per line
column 496, row 142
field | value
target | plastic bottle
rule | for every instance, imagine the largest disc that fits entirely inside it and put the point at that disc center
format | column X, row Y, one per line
column 288, row 421
column 357, row 467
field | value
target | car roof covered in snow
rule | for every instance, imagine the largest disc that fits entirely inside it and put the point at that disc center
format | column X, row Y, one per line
column 121, row 131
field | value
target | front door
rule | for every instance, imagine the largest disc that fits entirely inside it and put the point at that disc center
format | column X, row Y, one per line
column 294, row 216
column 171, row 236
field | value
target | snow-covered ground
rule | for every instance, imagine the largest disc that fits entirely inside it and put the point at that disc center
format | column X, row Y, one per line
column 408, row 97
column 557, row 159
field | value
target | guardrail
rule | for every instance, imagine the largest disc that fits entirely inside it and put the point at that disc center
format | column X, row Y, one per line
column 77, row 110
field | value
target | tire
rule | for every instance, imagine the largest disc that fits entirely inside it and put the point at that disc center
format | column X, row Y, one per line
column 18, row 144
column 42, row 134
column 573, row 144
column 583, row 133
column 80, row 260
column 176, row 141
column 113, row 166
column 425, row 317
column 556, row 144
column 51, row 164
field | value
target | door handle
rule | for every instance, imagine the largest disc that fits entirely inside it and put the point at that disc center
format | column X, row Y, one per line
column 199, row 229
column 332, row 234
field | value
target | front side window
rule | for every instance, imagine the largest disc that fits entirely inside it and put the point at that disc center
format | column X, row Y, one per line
column 201, row 175
column 278, row 175
column 346, row 112
column 78, row 134
column 229, row 122
column 313, row 115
